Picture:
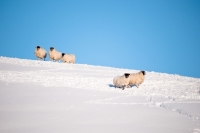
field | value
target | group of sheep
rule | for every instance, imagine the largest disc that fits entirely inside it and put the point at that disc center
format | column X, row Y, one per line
column 129, row 79
column 123, row 81
column 54, row 55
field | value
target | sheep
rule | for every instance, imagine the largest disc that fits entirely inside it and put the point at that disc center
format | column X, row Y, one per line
column 68, row 58
column 137, row 78
column 121, row 81
column 40, row 53
column 54, row 54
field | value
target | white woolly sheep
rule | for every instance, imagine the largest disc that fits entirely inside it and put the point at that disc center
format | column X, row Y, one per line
column 121, row 81
column 54, row 54
column 68, row 58
column 40, row 53
column 137, row 78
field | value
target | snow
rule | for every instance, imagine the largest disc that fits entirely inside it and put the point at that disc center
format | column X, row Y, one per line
column 44, row 96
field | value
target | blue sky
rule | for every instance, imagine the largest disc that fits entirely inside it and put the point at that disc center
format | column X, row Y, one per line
column 152, row 35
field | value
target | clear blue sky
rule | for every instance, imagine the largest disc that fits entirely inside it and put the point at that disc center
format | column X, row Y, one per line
column 152, row 35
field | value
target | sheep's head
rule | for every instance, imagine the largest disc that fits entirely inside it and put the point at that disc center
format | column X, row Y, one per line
column 63, row 54
column 143, row 72
column 51, row 48
column 126, row 75
column 38, row 47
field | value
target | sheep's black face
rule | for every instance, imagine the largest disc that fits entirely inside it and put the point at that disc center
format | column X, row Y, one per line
column 143, row 72
column 126, row 75
column 38, row 47
column 51, row 48
column 63, row 54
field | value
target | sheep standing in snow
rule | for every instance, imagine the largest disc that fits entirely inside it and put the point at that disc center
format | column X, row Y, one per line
column 40, row 53
column 137, row 78
column 121, row 81
column 68, row 58
column 54, row 54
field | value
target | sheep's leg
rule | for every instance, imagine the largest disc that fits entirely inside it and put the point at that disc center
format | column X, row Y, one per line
column 137, row 85
column 123, row 87
column 129, row 86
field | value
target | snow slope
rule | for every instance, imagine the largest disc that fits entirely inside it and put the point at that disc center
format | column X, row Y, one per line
column 38, row 96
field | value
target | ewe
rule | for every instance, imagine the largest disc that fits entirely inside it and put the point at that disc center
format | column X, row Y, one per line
column 137, row 78
column 121, row 81
column 40, row 53
column 68, row 58
column 54, row 54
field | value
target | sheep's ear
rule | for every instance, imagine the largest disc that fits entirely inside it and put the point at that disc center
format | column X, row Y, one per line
column 126, row 75
column 38, row 47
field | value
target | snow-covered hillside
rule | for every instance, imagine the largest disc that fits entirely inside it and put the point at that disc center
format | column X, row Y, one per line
column 44, row 96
